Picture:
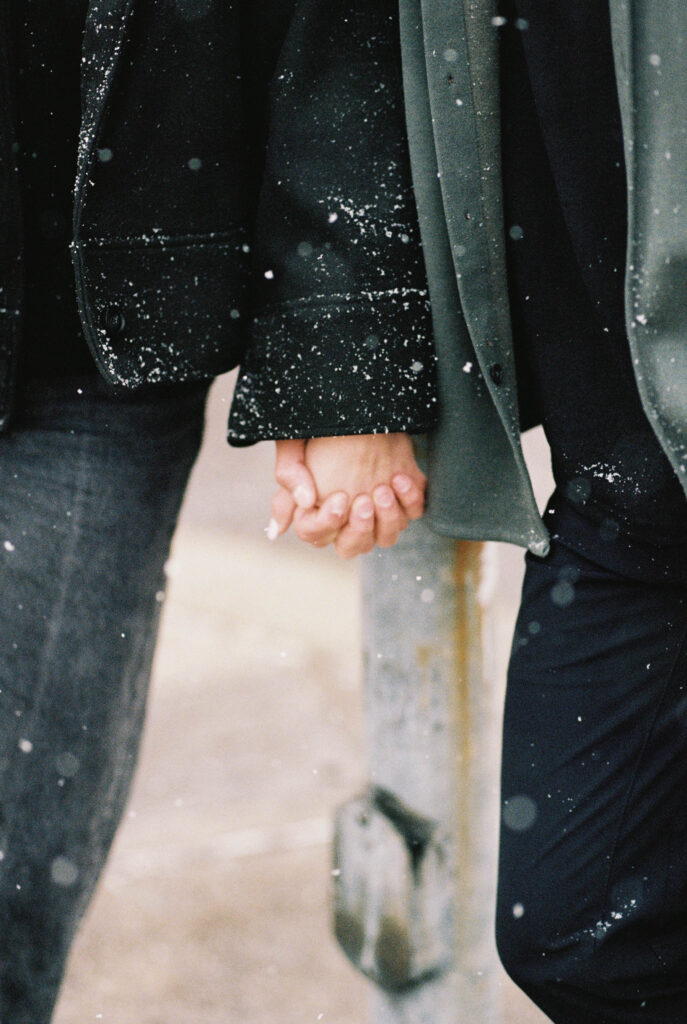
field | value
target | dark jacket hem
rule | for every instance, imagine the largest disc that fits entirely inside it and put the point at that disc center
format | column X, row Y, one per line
column 349, row 365
column 162, row 309
column 333, row 430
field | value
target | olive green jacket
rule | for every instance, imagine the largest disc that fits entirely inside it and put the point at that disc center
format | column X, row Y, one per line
column 480, row 487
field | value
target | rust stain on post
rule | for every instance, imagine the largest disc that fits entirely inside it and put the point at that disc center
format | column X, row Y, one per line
column 425, row 655
column 467, row 570
column 468, row 635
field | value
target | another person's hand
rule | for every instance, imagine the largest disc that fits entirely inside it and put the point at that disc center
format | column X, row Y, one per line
column 379, row 474
column 297, row 491
column 354, row 491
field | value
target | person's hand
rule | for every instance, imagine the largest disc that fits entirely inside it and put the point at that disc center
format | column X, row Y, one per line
column 368, row 488
column 379, row 474
column 297, row 491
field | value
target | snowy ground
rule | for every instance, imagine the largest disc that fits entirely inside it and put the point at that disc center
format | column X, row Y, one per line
column 213, row 908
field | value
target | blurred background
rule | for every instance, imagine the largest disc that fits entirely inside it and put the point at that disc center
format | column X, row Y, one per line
column 213, row 906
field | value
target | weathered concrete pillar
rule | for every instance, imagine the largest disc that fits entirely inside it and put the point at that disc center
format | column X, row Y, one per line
column 415, row 856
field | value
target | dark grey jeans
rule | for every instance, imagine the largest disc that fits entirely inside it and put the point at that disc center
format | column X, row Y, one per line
column 90, row 488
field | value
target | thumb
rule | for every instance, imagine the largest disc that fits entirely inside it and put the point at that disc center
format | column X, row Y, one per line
column 292, row 474
column 283, row 508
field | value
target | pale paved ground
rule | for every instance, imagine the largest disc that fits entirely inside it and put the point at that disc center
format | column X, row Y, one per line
column 213, row 907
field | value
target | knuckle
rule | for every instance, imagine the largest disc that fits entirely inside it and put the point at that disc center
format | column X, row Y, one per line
column 387, row 513
column 281, row 476
column 346, row 545
column 412, row 496
column 306, row 533
column 391, row 522
column 343, row 551
column 384, row 498
column 281, row 498
column 362, row 526
column 331, row 522
column 414, row 499
column 320, row 542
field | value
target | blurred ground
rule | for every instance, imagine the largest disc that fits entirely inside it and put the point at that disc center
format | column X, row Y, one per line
column 213, row 906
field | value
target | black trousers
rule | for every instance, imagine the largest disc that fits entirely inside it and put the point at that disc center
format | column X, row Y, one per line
column 592, row 905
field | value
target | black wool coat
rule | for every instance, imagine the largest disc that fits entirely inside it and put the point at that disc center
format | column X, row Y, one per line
column 243, row 192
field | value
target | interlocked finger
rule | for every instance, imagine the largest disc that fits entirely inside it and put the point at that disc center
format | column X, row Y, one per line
column 390, row 518
column 282, row 508
column 320, row 526
column 357, row 537
column 410, row 493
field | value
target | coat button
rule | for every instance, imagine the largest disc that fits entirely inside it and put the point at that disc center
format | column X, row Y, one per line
column 114, row 320
column 496, row 373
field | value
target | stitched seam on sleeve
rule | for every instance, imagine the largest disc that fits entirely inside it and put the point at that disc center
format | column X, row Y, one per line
column 343, row 300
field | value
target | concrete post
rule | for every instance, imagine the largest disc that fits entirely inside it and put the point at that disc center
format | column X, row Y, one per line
column 415, row 856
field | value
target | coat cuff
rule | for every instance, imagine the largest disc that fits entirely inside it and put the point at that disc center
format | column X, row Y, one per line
column 320, row 368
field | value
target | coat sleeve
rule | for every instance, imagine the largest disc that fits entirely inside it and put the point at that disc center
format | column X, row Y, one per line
column 341, row 337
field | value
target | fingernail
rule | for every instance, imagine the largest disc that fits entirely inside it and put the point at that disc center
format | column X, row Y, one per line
column 272, row 530
column 339, row 505
column 365, row 510
column 384, row 498
column 302, row 496
column 402, row 484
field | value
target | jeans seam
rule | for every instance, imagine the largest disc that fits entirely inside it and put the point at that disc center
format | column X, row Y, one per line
column 34, row 702
column 67, row 566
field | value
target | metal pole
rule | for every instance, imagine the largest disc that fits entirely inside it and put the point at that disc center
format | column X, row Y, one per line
column 415, row 856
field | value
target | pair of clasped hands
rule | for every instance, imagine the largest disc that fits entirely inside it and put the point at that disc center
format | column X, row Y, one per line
column 354, row 492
